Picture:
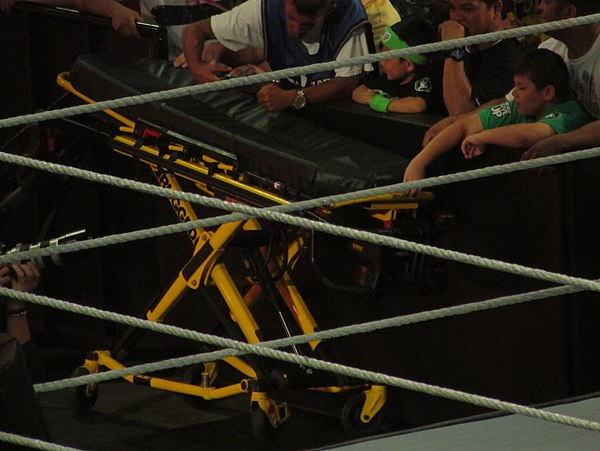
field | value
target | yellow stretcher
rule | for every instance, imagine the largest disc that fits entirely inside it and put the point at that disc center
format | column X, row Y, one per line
column 214, row 172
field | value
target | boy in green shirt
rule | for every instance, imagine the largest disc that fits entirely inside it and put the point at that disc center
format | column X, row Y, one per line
column 543, row 106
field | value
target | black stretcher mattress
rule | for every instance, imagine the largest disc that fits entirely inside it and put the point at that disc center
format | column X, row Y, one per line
column 283, row 147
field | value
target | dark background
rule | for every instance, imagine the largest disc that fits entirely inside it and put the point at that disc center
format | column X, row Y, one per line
column 528, row 354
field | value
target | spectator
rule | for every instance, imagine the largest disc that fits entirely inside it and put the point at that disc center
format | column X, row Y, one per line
column 381, row 14
column 23, row 277
column 404, row 86
column 583, row 59
column 476, row 74
column 20, row 411
column 175, row 16
column 583, row 45
column 543, row 107
column 295, row 33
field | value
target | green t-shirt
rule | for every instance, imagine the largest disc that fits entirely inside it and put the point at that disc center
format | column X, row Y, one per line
column 562, row 118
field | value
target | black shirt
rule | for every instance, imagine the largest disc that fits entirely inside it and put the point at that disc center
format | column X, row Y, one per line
column 421, row 86
column 491, row 71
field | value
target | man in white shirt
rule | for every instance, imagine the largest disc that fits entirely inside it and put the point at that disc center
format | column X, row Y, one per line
column 583, row 60
column 286, row 33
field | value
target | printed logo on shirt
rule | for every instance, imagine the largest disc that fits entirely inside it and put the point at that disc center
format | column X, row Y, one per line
column 501, row 110
column 423, row 85
column 552, row 116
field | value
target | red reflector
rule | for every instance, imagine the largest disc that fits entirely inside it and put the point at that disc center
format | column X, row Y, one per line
column 150, row 133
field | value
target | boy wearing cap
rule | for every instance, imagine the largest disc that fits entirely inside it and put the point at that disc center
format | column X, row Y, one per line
column 543, row 106
column 404, row 85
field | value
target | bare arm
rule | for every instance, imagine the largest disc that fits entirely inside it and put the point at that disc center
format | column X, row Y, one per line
column 436, row 128
column 194, row 37
column 456, row 86
column 123, row 19
column 516, row 136
column 584, row 137
column 27, row 279
column 408, row 105
column 449, row 138
column 274, row 98
column 363, row 95
column 334, row 88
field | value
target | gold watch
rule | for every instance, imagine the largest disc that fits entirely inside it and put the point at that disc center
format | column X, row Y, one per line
column 299, row 101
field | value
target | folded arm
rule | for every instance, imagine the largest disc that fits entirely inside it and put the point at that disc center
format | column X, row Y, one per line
column 274, row 98
column 584, row 137
column 334, row 88
column 515, row 136
column 364, row 95
column 449, row 138
column 436, row 128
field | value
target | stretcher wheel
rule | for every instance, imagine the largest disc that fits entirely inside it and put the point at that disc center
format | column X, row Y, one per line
column 261, row 426
column 351, row 417
column 83, row 397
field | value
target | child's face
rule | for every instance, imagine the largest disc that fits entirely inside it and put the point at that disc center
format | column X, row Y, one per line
column 395, row 68
column 530, row 101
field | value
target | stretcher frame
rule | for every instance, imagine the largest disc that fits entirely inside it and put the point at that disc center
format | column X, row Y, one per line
column 172, row 157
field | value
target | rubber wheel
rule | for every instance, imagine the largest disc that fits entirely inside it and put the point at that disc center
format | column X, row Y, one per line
column 351, row 421
column 79, row 398
column 261, row 426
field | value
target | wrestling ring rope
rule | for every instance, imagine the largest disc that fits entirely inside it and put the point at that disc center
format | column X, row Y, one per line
column 282, row 214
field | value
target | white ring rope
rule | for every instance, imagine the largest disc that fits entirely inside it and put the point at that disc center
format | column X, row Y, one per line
column 284, row 342
column 272, row 214
column 306, row 204
column 264, row 350
column 292, row 72
column 32, row 443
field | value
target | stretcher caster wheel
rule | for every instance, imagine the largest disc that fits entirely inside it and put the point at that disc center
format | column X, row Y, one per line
column 261, row 426
column 351, row 417
column 267, row 416
column 83, row 397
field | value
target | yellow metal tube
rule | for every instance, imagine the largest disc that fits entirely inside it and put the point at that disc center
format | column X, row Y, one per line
column 168, row 300
column 240, row 311
column 104, row 359
column 63, row 81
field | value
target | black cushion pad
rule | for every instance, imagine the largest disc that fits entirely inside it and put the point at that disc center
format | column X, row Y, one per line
column 283, row 147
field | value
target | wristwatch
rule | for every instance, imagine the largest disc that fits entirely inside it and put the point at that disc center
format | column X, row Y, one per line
column 457, row 54
column 299, row 101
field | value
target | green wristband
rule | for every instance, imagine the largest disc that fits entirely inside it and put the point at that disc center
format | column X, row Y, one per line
column 380, row 102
